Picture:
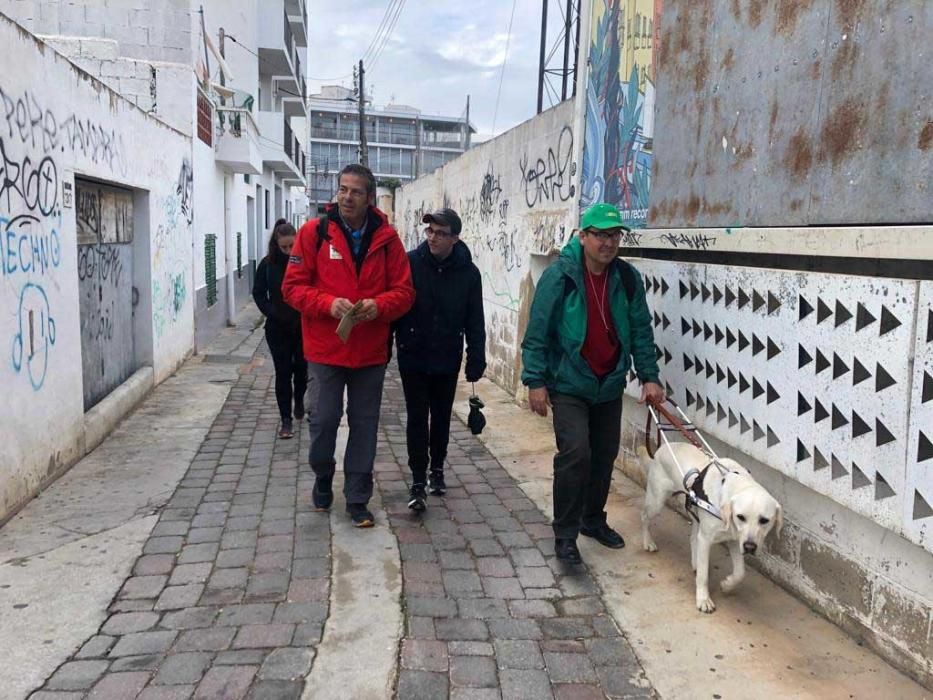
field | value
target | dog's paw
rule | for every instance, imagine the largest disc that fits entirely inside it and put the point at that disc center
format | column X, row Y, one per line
column 650, row 546
column 706, row 605
column 729, row 584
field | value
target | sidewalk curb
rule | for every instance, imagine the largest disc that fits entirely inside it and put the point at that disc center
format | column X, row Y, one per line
column 101, row 419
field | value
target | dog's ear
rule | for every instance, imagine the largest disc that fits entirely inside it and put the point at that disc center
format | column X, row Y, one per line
column 779, row 521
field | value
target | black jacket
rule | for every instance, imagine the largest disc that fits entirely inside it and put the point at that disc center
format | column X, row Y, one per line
column 267, row 293
column 448, row 306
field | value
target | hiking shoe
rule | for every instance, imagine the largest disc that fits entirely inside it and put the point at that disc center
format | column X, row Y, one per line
column 322, row 495
column 417, row 498
column 605, row 535
column 360, row 515
column 286, row 432
column 436, row 483
column 299, row 409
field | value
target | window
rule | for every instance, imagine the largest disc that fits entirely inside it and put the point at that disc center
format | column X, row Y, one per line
column 205, row 119
column 266, row 218
column 210, row 267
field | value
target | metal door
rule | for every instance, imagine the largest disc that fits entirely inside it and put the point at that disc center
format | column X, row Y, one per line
column 105, row 285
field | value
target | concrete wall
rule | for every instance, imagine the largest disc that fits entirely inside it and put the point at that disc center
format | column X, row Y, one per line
column 517, row 198
column 56, row 123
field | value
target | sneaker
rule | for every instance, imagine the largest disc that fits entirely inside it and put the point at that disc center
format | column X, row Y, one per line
column 299, row 409
column 605, row 535
column 436, row 483
column 566, row 551
column 286, row 432
column 360, row 515
column 322, row 495
column 417, row 498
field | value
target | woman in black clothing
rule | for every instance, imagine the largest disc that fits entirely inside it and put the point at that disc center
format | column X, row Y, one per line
column 283, row 327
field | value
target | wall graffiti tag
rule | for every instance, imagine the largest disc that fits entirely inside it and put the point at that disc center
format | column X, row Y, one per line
column 34, row 184
column 185, row 189
column 35, row 334
column 489, row 195
column 549, row 178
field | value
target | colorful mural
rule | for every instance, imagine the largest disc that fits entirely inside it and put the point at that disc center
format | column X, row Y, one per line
column 617, row 151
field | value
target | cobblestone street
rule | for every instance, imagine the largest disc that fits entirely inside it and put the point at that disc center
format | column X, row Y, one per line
column 230, row 596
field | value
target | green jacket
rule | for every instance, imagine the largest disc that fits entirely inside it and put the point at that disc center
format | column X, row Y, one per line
column 557, row 328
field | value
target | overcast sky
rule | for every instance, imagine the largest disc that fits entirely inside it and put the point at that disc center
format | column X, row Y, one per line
column 437, row 54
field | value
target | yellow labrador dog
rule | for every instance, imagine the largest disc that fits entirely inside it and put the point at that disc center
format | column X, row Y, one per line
column 748, row 512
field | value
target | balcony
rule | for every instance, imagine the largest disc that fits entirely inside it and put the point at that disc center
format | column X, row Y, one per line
column 238, row 148
column 297, row 12
column 281, row 151
column 279, row 48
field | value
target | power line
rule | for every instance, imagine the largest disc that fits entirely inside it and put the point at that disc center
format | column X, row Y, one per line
column 505, row 60
column 388, row 35
column 379, row 30
column 264, row 62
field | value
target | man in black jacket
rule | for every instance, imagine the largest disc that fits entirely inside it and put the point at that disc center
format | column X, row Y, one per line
column 448, row 306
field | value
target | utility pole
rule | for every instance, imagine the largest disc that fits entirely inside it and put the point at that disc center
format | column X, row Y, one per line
column 364, row 149
column 541, row 59
column 466, row 142
column 568, row 26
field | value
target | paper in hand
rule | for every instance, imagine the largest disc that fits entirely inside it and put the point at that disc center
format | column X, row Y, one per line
column 349, row 320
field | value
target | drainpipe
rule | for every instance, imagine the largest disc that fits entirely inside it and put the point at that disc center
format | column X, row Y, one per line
column 229, row 243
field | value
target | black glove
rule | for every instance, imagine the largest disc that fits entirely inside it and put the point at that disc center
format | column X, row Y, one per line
column 476, row 420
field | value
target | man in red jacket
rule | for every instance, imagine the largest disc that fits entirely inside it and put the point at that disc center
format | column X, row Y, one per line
column 359, row 258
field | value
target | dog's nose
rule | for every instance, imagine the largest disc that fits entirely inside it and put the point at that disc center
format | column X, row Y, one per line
column 750, row 547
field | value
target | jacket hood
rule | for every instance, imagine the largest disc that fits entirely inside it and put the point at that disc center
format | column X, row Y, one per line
column 459, row 256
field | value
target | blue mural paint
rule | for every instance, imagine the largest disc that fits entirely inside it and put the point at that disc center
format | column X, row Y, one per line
column 35, row 334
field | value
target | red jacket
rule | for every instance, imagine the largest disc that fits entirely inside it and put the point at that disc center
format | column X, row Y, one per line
column 316, row 275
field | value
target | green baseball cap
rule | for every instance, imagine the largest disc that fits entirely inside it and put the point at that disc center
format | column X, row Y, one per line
column 602, row 216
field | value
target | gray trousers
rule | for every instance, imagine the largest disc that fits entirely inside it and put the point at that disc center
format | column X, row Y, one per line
column 325, row 409
column 588, row 438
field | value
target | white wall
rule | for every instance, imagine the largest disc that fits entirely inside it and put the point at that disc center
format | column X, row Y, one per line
column 516, row 196
column 56, row 122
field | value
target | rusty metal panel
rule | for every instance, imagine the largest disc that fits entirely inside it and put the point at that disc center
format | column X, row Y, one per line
column 793, row 113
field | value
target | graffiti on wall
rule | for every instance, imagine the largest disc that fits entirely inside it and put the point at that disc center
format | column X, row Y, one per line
column 170, row 243
column 185, row 190
column 617, row 150
column 549, row 177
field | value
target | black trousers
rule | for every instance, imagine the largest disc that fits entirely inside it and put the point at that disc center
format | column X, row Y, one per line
column 290, row 367
column 588, row 438
column 428, row 397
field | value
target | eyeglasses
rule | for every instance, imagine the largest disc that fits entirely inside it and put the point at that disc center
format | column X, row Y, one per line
column 605, row 235
column 441, row 233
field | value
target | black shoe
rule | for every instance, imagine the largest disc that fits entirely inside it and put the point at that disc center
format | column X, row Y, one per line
column 436, row 483
column 285, row 431
column 299, row 409
column 322, row 495
column 360, row 516
column 417, row 498
column 605, row 535
column 566, row 551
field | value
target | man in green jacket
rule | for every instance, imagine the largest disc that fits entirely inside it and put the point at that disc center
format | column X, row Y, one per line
column 589, row 322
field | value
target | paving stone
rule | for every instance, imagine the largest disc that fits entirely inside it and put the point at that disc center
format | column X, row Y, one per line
column 229, row 578
column 587, row 606
column 209, row 520
column 473, row 671
column 532, row 608
column 518, row 654
column 190, row 573
column 535, row 577
column 167, row 692
column 422, row 685
column 569, row 668
column 456, row 560
column 515, row 629
column 276, row 690
column 543, row 594
column 247, row 614
column 262, row 636
column 125, row 623
column 190, row 618
column 503, row 587
column 421, row 571
column 457, row 582
column 417, row 552
column 275, row 543
column 564, row 646
column 575, row 691
column 234, row 558
column 622, row 682
column 201, row 535
column 223, row 596
column 239, row 539
column 424, row 655
column 213, row 639
column 142, row 662
column 225, row 683
column 182, row 668
column 241, row 657
column 267, row 586
column 420, row 627
column 605, row 626
column 495, row 566
column 486, row 548
column 308, row 590
column 119, row 686
column 163, row 545
column 196, row 553
column 308, row 634
column 287, row 664
column 154, row 564
column 469, row 649
column 98, row 645
column 77, row 675
column 143, row 587
column 474, row 694
column 300, row 612
column 460, row 629
column 575, row 586
column 431, row 607
column 482, row 608
column 567, row 628
column 176, row 597
column 144, row 643
column 518, row 684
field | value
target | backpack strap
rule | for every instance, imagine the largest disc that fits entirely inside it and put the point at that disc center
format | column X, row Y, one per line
column 322, row 235
column 627, row 273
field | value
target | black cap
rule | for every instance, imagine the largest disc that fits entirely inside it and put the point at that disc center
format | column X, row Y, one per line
column 444, row 217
